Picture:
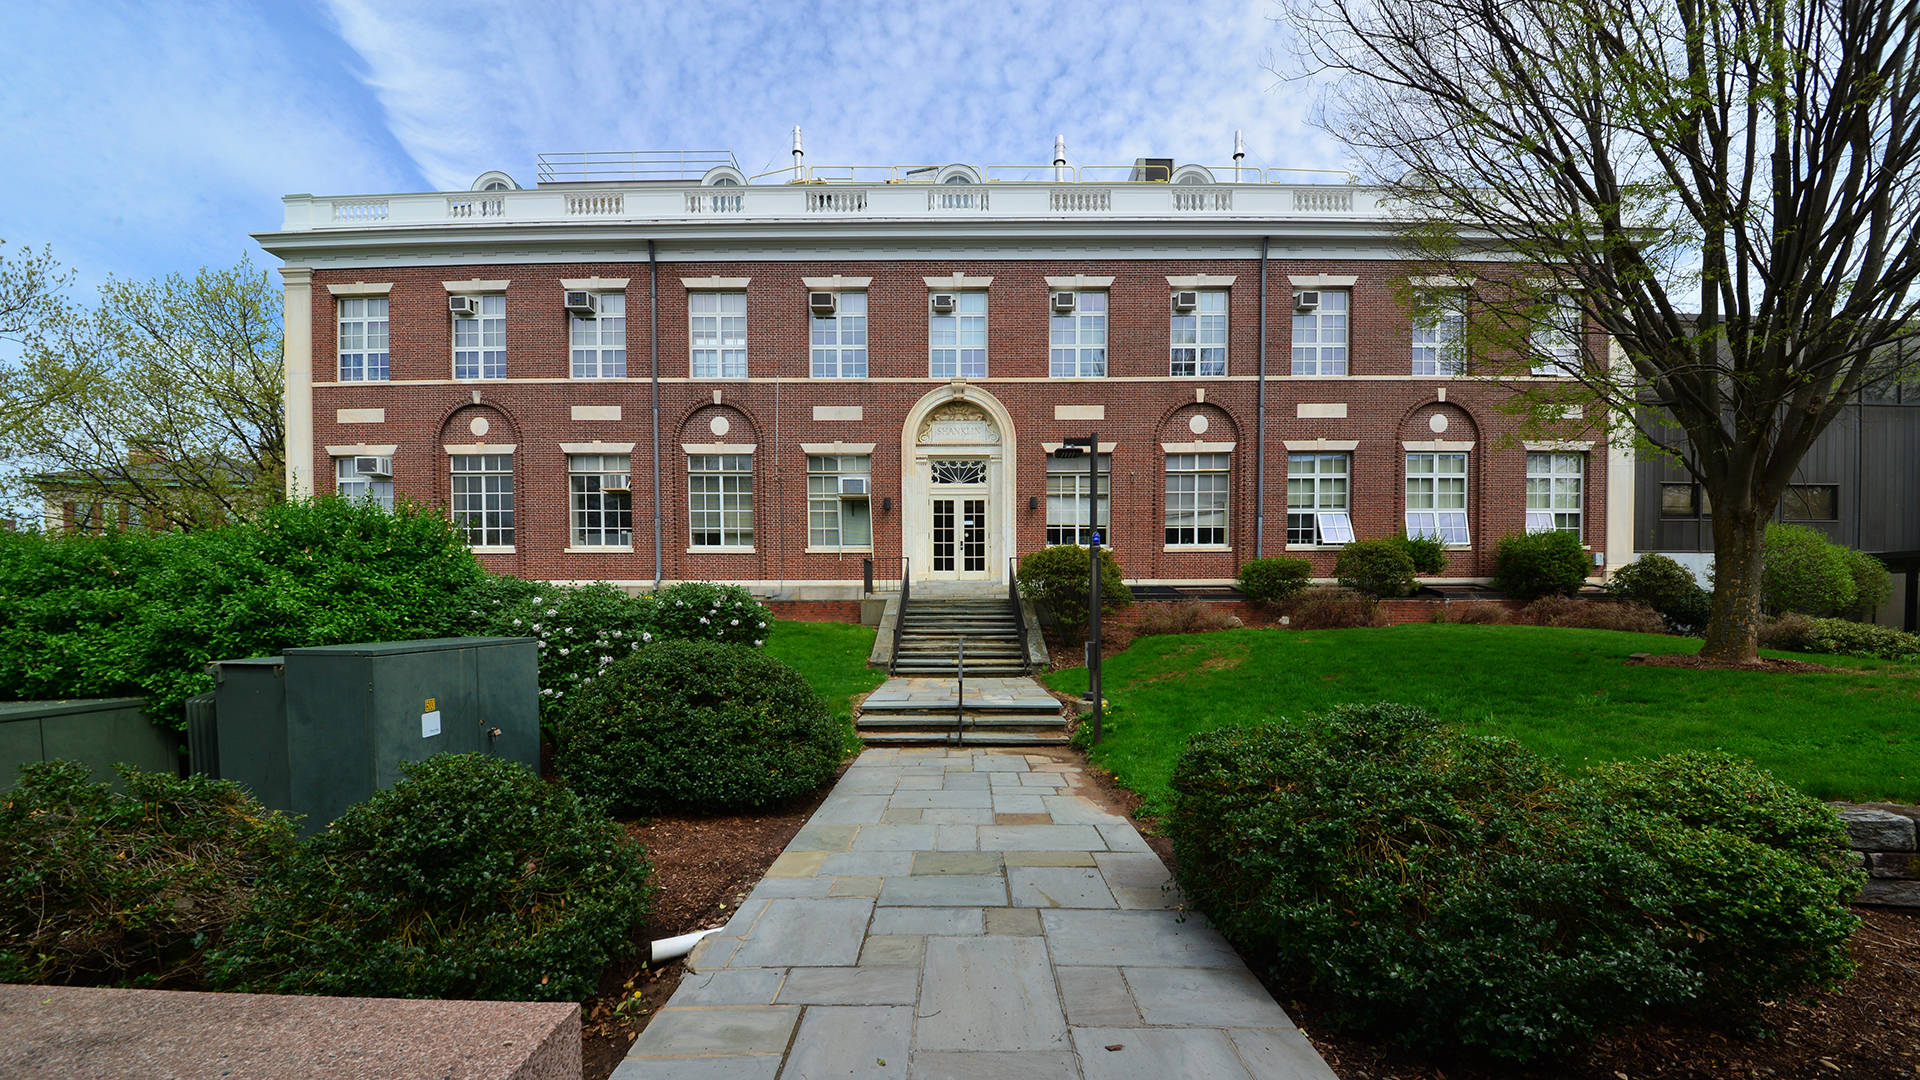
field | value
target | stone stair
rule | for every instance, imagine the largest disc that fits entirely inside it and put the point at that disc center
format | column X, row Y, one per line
column 998, row 711
column 933, row 628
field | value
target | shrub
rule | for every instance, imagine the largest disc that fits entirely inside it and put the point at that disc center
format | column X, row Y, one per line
column 1527, row 566
column 1329, row 607
column 1187, row 617
column 1575, row 613
column 1275, row 579
column 102, row 888
column 1427, row 553
column 580, row 628
column 1803, row 571
column 1057, row 577
column 698, row 725
column 470, row 878
column 701, row 610
column 1872, row 584
column 1471, row 614
column 1655, row 581
column 1793, row 633
column 1379, row 567
column 1802, row 633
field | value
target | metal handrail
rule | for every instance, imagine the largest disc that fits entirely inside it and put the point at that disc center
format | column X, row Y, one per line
column 1019, row 616
column 960, row 692
column 1060, row 174
column 900, row 616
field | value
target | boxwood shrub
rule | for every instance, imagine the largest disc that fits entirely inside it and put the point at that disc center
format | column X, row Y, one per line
column 697, row 725
column 1057, row 577
column 1527, row 566
column 1379, row 567
column 1658, row 582
column 1802, row 571
column 1275, row 579
column 471, row 878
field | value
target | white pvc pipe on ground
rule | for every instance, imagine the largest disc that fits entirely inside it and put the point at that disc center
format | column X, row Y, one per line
column 674, row 948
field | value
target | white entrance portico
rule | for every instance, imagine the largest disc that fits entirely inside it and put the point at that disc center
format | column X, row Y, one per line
column 957, row 489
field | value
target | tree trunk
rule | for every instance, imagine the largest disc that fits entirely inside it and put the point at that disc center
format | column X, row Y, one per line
column 1733, row 627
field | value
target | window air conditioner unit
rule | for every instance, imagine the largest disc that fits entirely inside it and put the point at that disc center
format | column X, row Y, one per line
column 1186, row 300
column 853, row 487
column 581, row 302
column 944, row 302
column 463, row 305
column 1306, row 301
column 823, row 303
column 1063, row 302
column 374, row 468
column 615, row 484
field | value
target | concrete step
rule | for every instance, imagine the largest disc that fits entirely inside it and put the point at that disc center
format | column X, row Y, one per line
column 978, row 671
column 924, row 723
column 938, row 738
column 1033, row 707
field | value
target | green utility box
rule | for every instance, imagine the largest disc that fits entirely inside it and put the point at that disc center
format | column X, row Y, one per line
column 96, row 732
column 319, row 729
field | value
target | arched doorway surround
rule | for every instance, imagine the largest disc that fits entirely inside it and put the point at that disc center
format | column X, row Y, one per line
column 958, row 485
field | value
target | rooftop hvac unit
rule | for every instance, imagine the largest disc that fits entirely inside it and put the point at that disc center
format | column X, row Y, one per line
column 945, row 302
column 1152, row 169
column 464, row 305
column 823, row 303
column 1306, row 301
column 1186, row 300
column 581, row 302
column 1063, row 302
column 853, row 487
column 374, row 468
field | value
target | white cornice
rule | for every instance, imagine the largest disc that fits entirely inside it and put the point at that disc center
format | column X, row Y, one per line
column 1081, row 281
column 1542, row 446
column 837, row 448
column 362, row 288
column 1308, row 446
column 478, row 448
column 1197, row 447
column 1201, row 281
column 1438, row 446
column 595, row 284
column 474, row 286
column 715, row 281
column 717, row 448
column 1105, row 447
column 1322, row 281
column 958, row 280
column 363, row 450
column 836, row 283
column 596, row 447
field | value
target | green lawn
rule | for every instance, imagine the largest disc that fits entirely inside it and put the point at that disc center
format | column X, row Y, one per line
column 832, row 656
column 1562, row 692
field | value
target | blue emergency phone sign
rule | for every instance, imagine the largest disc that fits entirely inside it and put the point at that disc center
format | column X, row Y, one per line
column 1096, row 538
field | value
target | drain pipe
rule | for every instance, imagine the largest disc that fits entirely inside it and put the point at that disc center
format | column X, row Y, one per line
column 674, row 948
column 653, row 351
column 1260, row 421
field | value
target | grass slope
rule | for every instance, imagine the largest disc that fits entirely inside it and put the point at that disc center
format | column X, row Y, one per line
column 832, row 656
column 1562, row 692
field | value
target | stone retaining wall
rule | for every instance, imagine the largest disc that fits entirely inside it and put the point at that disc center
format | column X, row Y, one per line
column 1884, row 836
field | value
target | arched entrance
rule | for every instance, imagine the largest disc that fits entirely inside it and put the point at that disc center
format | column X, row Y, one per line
column 957, row 488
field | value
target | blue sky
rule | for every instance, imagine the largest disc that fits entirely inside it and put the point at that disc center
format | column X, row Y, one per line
column 145, row 138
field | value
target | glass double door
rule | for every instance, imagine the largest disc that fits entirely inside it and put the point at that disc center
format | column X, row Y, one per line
column 960, row 536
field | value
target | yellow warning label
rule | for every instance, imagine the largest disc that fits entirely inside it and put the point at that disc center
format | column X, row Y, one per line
column 429, row 707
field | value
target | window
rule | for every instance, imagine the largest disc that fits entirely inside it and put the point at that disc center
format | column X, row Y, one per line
column 1683, row 501
column 1439, row 329
column 483, row 498
column 1067, row 491
column 363, row 339
column 600, row 339
column 720, row 500
column 1556, row 338
column 1080, row 338
column 1437, row 497
column 1320, row 336
column 1811, row 502
column 957, row 339
column 1317, row 510
column 839, row 512
column 1199, row 337
column 959, row 471
column 719, row 324
column 480, row 341
column 352, row 482
column 1196, row 499
column 1554, row 495
column 840, row 339
column 601, row 503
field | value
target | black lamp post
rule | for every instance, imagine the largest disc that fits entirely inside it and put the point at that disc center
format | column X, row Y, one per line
column 1090, row 446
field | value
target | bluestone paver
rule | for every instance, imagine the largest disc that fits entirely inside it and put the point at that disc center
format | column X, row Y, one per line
column 814, row 932
column 1280, row 1054
column 1059, row 887
column 1227, row 997
column 862, row 1043
column 851, row 986
column 1135, row 939
column 1157, row 1054
column 945, row 890
column 989, row 993
column 726, row 1031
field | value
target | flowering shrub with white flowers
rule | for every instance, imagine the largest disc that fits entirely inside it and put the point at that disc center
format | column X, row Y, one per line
column 701, row 610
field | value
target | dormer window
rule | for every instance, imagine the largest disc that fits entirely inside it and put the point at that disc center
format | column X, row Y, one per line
column 723, row 176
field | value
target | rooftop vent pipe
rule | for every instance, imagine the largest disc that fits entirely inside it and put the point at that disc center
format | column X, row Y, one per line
column 799, row 155
column 1059, row 157
column 1239, row 151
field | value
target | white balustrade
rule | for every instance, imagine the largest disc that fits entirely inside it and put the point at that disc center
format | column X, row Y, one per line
column 708, row 201
column 596, row 204
column 1322, row 200
column 836, row 201
column 956, row 197
column 1187, row 198
column 1073, row 199
column 463, row 207
column 359, row 211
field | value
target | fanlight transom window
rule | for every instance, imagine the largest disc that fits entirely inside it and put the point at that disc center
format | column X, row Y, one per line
column 959, row 471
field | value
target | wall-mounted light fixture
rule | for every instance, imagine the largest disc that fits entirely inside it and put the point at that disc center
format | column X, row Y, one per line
column 886, row 504
column 1033, row 502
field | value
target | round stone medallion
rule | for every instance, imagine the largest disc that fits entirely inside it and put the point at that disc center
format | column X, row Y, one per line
column 1438, row 422
column 1198, row 425
column 719, row 425
column 478, row 425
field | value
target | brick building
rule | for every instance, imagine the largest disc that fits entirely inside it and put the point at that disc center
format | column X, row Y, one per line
column 702, row 377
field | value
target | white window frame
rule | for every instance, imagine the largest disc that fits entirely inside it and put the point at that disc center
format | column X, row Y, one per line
column 1439, row 334
column 1320, row 499
column 480, row 341
column 1434, row 507
column 954, row 338
column 838, row 342
column 717, row 336
column 1554, row 342
column 1067, row 501
column 1077, row 342
column 1198, row 486
column 1557, row 491
column 598, row 345
column 719, row 502
column 362, row 338
column 828, row 510
column 484, row 511
column 1197, row 339
column 595, row 518
column 1322, row 337
column 349, row 484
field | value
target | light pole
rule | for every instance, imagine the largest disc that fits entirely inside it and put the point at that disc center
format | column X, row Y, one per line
column 1073, row 448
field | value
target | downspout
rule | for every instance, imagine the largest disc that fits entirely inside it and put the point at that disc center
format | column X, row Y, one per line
column 653, row 353
column 1260, row 421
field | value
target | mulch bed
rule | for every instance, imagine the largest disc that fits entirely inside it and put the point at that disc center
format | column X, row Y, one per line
column 1764, row 663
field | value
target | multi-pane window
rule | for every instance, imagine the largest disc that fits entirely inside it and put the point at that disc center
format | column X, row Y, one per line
column 1317, row 510
column 362, row 478
column 1555, row 339
column 480, row 341
column 957, row 339
column 719, row 324
column 1437, row 497
column 839, row 512
column 1068, row 487
column 601, row 500
column 1320, row 335
column 1555, row 491
column 840, row 339
column 1198, row 338
column 1439, row 331
column 1196, row 499
column 600, row 339
column 1079, row 338
column 720, row 500
column 363, row 339
column 1684, row 500
column 483, row 498
column 1811, row 502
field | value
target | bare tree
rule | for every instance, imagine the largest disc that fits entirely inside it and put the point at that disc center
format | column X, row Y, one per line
column 1725, row 188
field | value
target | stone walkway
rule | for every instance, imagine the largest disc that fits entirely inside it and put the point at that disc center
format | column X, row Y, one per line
column 983, row 692
column 965, row 915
